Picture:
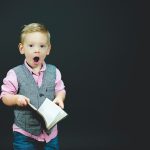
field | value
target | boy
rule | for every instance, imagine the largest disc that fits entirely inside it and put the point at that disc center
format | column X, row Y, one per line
column 32, row 82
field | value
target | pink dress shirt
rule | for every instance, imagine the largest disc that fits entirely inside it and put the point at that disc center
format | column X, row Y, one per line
column 10, row 85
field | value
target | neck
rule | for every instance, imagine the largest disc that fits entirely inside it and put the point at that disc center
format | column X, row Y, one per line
column 35, row 69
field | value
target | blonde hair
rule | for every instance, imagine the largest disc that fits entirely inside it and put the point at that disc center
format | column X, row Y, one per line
column 34, row 27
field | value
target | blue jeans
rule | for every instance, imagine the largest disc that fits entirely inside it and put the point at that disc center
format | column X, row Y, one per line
column 22, row 142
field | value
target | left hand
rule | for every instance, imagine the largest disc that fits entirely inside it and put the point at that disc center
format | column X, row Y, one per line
column 59, row 102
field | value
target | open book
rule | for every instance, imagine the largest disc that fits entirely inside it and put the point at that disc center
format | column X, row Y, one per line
column 50, row 112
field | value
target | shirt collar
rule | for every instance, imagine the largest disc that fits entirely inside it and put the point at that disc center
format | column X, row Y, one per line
column 31, row 70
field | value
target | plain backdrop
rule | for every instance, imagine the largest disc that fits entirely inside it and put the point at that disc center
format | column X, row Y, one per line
column 99, row 47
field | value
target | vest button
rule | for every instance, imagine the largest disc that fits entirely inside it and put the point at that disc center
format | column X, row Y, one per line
column 41, row 95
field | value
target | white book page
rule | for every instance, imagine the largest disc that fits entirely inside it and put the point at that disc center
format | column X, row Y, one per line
column 59, row 117
column 50, row 112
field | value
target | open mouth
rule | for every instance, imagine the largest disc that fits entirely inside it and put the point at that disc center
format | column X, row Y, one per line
column 36, row 59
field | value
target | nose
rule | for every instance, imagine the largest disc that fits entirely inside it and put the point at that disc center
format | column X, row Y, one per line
column 36, row 50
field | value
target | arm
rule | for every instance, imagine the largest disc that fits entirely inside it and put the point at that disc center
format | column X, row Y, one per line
column 11, row 100
column 9, row 91
column 60, row 92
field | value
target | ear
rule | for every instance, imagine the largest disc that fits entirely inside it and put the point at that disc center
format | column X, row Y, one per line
column 21, row 48
column 49, row 49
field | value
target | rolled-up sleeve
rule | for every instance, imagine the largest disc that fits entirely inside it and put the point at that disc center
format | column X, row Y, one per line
column 59, row 83
column 10, row 84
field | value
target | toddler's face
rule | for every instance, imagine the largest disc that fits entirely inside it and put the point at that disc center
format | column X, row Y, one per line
column 35, row 47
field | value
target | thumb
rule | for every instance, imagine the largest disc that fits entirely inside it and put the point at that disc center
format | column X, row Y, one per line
column 27, row 100
column 61, row 104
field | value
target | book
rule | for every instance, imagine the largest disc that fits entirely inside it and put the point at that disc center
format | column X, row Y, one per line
column 50, row 112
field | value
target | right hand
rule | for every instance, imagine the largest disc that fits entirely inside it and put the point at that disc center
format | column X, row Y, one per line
column 22, row 101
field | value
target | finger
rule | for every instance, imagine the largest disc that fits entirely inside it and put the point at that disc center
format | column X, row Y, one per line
column 61, row 105
column 27, row 100
column 55, row 101
column 24, row 103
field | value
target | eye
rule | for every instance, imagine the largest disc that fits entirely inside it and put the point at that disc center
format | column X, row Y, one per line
column 42, row 46
column 30, row 45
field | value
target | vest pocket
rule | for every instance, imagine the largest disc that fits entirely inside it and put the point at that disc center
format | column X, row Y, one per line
column 50, row 90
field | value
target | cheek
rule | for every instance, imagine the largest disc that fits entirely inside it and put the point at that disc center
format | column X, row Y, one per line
column 43, row 56
column 44, row 53
column 48, row 53
column 28, row 55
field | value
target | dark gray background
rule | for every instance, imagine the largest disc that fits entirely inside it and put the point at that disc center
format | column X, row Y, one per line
column 99, row 47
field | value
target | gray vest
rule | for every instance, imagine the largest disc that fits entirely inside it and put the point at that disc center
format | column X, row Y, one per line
column 26, row 118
